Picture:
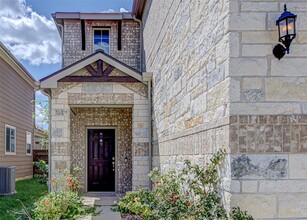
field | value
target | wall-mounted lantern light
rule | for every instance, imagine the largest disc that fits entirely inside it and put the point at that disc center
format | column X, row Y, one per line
column 286, row 31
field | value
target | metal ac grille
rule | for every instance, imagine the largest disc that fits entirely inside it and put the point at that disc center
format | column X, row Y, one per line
column 7, row 180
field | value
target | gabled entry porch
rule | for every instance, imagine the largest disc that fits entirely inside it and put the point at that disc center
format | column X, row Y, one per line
column 100, row 122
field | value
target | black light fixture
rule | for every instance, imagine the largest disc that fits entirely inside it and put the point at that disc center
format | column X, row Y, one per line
column 286, row 31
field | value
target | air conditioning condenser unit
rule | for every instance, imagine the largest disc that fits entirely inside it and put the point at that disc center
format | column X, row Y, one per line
column 7, row 180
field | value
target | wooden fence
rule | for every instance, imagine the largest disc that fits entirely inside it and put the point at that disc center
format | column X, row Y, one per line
column 39, row 155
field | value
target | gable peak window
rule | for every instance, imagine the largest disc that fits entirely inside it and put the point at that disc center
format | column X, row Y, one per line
column 102, row 40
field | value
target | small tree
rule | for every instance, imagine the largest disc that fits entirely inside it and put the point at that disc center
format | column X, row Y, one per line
column 41, row 116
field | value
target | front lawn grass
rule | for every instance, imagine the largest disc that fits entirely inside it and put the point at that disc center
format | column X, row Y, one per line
column 27, row 192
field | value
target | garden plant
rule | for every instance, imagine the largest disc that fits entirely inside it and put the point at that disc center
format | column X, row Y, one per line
column 43, row 167
column 191, row 193
column 64, row 202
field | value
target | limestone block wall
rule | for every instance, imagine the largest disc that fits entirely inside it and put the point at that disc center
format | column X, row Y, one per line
column 129, row 54
column 267, row 111
column 217, row 85
column 187, row 53
column 134, row 134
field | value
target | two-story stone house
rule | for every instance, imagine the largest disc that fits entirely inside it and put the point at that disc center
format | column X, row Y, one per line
column 215, row 84
column 100, row 108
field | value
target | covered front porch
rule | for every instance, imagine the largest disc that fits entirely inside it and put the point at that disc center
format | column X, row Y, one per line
column 100, row 122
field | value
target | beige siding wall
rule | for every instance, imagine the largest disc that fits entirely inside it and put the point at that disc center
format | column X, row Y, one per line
column 15, row 110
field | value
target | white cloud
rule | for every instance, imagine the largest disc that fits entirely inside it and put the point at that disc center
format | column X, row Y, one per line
column 108, row 11
column 123, row 10
column 112, row 10
column 28, row 35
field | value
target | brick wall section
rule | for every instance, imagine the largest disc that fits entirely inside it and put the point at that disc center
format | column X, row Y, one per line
column 268, row 111
column 129, row 54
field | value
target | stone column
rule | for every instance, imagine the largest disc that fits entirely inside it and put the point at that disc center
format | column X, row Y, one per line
column 60, row 136
column 140, row 143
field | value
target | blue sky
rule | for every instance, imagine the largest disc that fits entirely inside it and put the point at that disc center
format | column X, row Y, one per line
column 29, row 32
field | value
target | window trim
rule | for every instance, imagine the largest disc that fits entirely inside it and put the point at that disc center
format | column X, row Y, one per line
column 93, row 37
column 11, row 127
column 29, row 154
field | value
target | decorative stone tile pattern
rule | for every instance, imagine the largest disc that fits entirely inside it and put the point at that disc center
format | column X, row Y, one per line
column 140, row 149
column 99, row 98
column 268, row 134
column 102, row 117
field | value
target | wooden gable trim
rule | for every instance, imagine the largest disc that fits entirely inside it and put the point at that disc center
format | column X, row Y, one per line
column 99, row 75
column 99, row 79
column 91, row 70
column 99, row 71
column 51, row 80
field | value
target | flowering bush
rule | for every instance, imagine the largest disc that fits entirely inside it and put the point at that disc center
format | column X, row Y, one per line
column 64, row 202
column 141, row 203
column 69, row 180
column 190, row 193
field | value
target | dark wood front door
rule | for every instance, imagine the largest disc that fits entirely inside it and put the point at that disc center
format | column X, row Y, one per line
column 101, row 160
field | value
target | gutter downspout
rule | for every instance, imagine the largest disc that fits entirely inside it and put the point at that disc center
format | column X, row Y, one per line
column 49, row 137
column 62, row 38
column 141, row 41
column 148, row 78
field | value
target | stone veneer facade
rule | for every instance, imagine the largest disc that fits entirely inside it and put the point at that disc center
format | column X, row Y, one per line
column 121, row 119
column 74, row 108
column 72, row 42
column 217, row 85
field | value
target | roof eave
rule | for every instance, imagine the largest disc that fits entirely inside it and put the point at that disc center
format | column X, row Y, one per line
column 16, row 65
column 138, row 8
column 51, row 80
column 92, row 16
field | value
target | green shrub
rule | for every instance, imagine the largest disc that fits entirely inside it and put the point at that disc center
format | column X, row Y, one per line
column 64, row 203
column 237, row 214
column 43, row 167
column 141, row 203
column 190, row 193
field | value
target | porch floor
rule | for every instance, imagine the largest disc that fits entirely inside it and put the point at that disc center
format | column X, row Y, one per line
column 105, row 203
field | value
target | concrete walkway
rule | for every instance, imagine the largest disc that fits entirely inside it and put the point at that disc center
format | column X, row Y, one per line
column 105, row 203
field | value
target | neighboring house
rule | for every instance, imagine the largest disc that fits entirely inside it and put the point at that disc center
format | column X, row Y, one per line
column 215, row 85
column 40, row 139
column 16, row 121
